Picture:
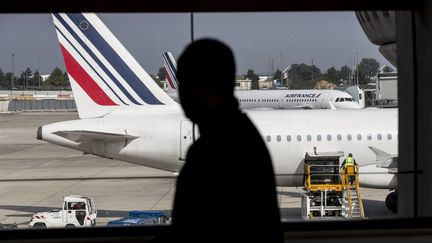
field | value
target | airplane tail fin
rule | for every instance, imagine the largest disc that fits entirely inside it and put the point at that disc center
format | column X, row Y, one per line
column 170, row 65
column 104, row 76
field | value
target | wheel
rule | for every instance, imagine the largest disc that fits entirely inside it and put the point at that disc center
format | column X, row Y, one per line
column 391, row 202
column 70, row 226
column 39, row 225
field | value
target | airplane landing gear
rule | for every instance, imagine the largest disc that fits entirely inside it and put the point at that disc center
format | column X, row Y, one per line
column 391, row 201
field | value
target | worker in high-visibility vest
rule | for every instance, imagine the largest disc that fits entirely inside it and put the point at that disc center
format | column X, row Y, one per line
column 349, row 166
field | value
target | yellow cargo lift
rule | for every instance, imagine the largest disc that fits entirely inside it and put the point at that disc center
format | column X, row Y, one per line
column 327, row 192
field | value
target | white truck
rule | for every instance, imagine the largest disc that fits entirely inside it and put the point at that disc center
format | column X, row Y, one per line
column 78, row 211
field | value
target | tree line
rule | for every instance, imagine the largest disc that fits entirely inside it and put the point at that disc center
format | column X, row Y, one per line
column 33, row 80
column 300, row 76
column 303, row 76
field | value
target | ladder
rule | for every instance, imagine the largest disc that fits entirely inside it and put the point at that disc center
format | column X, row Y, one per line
column 352, row 206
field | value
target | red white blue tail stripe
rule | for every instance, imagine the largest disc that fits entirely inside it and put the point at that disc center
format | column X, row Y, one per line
column 171, row 70
column 100, row 67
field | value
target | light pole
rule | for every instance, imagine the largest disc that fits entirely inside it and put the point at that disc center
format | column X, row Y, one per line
column 13, row 72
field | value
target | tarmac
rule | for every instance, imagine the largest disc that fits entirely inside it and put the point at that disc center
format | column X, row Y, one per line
column 36, row 175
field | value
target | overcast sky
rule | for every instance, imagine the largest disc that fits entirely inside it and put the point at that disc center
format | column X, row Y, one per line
column 329, row 38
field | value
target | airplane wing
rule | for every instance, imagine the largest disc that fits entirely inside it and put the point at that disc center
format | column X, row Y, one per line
column 81, row 136
column 384, row 159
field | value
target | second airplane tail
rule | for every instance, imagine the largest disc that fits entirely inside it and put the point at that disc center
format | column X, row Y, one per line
column 170, row 65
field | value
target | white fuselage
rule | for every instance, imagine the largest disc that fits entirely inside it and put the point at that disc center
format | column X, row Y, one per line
column 290, row 99
column 164, row 135
column 295, row 99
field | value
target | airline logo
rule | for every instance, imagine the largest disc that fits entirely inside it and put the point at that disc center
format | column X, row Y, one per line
column 312, row 96
column 171, row 70
column 96, row 66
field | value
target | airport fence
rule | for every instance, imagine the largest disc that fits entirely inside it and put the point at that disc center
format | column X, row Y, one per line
column 38, row 105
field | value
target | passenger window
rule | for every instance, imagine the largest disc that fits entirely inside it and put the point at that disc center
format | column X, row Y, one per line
column 339, row 137
column 359, row 137
column 268, row 138
column 299, row 138
column 309, row 138
column 318, row 137
column 369, row 137
column 278, row 138
column 349, row 137
column 289, row 138
column 389, row 136
column 329, row 137
column 379, row 136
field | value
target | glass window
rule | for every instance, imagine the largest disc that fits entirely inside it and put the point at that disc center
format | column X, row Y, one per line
column 379, row 136
column 389, row 136
column 337, row 100
column 369, row 136
column 359, row 137
column 245, row 50
column 76, row 205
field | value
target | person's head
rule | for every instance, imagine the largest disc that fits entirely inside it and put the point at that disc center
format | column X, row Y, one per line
column 206, row 75
column 350, row 155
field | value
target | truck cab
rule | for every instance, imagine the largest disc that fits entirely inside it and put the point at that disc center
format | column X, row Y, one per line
column 77, row 211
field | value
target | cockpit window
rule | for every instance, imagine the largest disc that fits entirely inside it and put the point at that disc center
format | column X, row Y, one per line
column 337, row 100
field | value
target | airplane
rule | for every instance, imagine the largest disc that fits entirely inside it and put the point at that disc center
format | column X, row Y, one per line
column 124, row 115
column 273, row 99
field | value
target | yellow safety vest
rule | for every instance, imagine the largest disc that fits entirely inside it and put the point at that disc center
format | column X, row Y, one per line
column 349, row 161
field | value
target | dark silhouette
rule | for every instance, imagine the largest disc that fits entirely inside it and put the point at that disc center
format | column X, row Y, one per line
column 226, row 190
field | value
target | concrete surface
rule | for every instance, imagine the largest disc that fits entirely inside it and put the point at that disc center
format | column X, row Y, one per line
column 35, row 175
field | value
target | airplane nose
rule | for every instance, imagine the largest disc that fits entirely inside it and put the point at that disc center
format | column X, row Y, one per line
column 39, row 133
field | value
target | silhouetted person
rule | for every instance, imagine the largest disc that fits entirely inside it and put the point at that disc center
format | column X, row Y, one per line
column 226, row 190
